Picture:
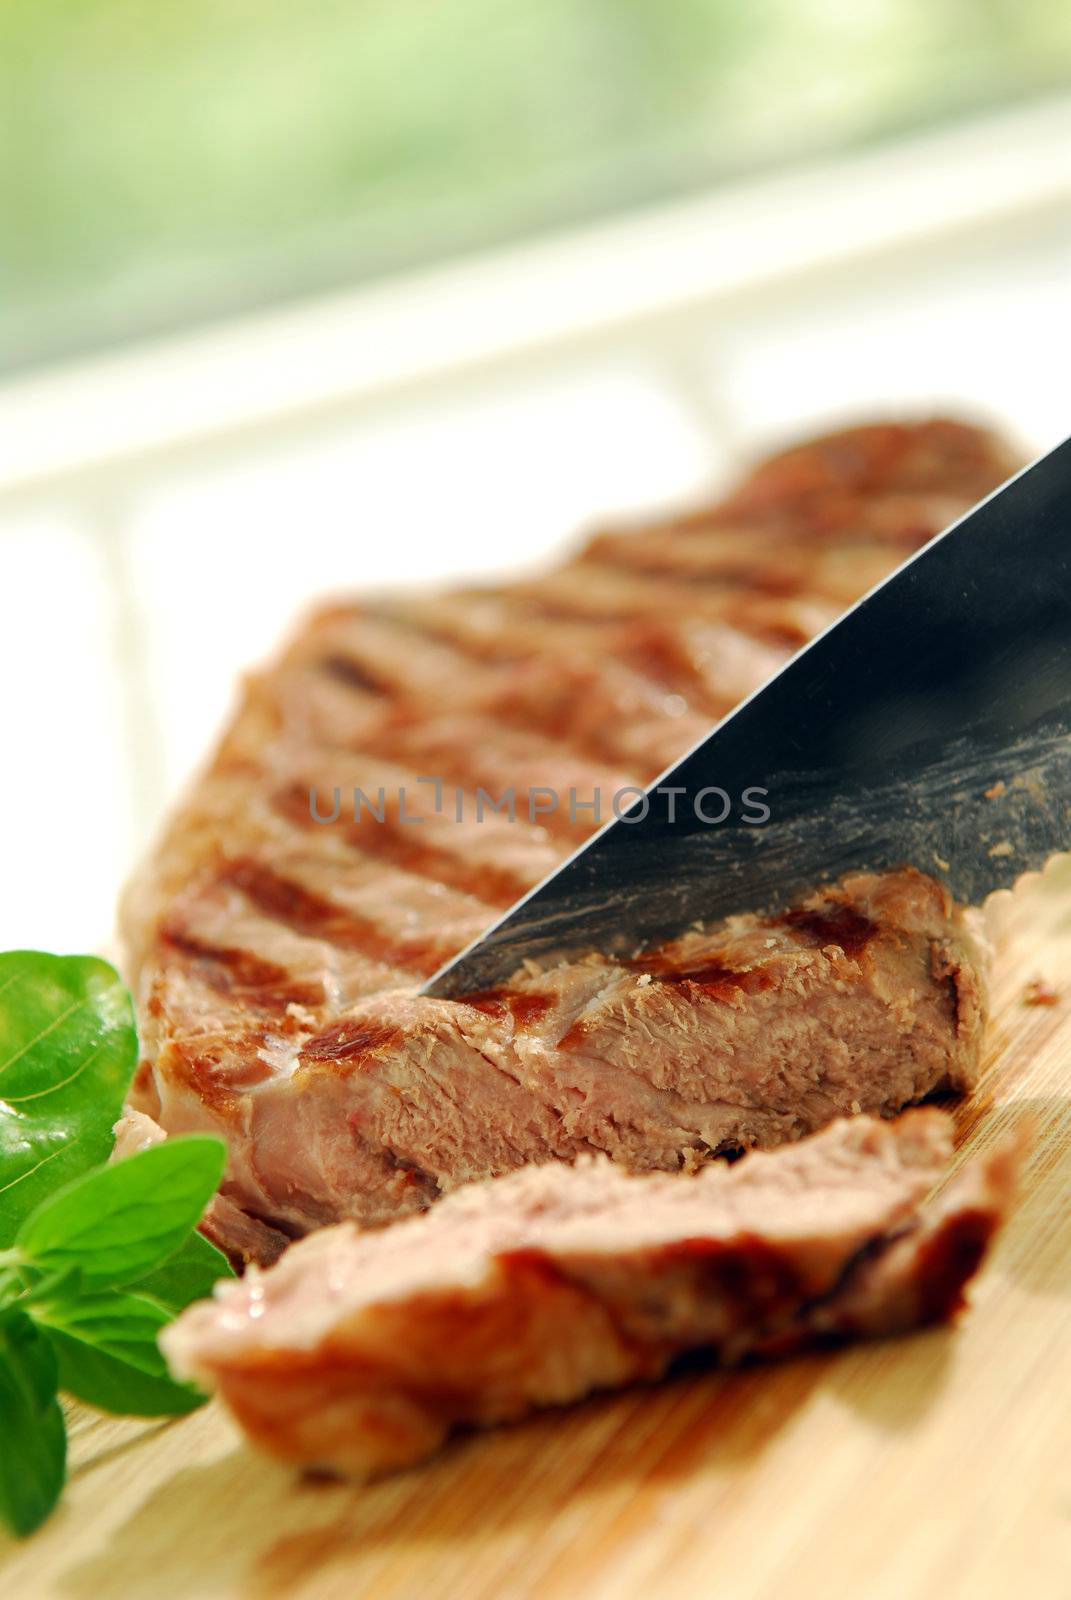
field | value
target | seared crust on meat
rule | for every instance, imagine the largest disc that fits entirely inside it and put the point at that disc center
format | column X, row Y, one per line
column 868, row 996
column 276, row 957
column 362, row 1352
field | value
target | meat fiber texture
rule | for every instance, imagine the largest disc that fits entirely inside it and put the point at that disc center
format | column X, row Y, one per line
column 277, row 960
column 361, row 1351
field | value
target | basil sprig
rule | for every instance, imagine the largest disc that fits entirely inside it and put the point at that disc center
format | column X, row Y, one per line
column 68, row 1049
column 94, row 1260
column 33, row 1446
column 123, row 1221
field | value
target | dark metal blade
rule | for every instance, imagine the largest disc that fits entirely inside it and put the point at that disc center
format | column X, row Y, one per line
column 931, row 725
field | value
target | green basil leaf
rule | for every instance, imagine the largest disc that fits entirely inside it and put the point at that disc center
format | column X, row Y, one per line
column 106, row 1349
column 33, row 1444
column 68, row 1049
column 186, row 1276
column 12, row 1285
column 122, row 1221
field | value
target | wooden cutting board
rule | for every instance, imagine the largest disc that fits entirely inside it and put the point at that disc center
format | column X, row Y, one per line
column 934, row 1466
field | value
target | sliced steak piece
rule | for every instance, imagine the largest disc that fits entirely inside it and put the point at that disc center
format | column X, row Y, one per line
column 868, row 996
column 361, row 1352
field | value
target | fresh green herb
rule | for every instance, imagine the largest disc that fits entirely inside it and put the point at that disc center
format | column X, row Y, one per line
column 94, row 1259
column 106, row 1348
column 122, row 1221
column 33, row 1451
column 68, row 1049
column 187, row 1276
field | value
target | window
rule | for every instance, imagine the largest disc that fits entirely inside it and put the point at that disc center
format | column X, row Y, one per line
column 165, row 162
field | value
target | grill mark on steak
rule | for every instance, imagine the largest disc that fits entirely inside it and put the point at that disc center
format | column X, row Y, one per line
column 616, row 592
column 704, row 979
column 601, row 624
column 454, row 624
column 543, row 691
column 768, row 560
column 875, row 458
column 784, row 568
column 350, row 1044
column 236, row 971
column 661, row 656
column 708, row 976
column 830, row 545
column 655, row 649
column 480, row 743
column 462, row 751
column 297, row 908
column 409, row 667
column 396, row 842
column 354, row 674
column 495, row 885
column 523, row 1008
column 843, row 926
column 605, row 710
column 218, row 1068
column 902, row 519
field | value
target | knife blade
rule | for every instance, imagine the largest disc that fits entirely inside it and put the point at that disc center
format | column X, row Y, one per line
column 930, row 725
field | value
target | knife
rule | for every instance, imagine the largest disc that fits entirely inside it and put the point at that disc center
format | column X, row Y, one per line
column 930, row 726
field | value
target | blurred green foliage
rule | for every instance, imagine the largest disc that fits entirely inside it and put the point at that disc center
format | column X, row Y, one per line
column 162, row 161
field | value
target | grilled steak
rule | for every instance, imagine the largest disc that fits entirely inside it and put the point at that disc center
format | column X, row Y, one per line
column 865, row 998
column 276, row 956
column 361, row 1351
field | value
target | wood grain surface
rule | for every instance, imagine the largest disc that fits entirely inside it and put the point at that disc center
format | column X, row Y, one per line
column 933, row 1466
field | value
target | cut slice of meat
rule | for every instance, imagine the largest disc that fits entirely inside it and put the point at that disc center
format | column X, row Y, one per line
column 362, row 1352
column 866, row 997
